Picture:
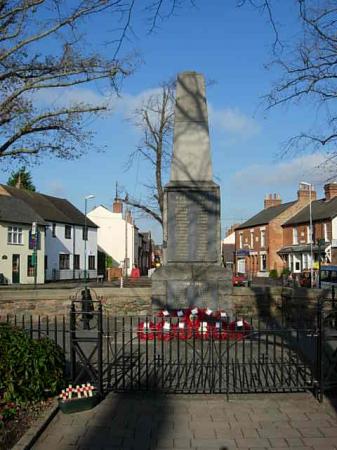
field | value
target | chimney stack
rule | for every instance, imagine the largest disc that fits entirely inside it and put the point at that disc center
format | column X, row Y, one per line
column 330, row 191
column 272, row 200
column 117, row 206
column 18, row 183
column 303, row 193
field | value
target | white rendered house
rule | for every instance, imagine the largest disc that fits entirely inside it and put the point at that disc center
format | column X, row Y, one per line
column 21, row 257
column 65, row 236
column 116, row 233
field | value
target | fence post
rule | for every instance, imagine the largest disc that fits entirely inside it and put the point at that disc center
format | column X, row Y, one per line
column 100, row 349
column 72, row 329
column 333, row 295
column 320, row 343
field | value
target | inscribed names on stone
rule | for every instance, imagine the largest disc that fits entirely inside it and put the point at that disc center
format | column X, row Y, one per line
column 192, row 226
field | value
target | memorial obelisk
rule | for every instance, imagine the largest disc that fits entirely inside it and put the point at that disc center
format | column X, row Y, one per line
column 191, row 274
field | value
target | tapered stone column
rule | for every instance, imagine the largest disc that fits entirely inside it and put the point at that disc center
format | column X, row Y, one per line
column 192, row 273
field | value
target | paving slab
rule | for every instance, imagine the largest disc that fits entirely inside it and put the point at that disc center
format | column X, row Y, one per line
column 154, row 422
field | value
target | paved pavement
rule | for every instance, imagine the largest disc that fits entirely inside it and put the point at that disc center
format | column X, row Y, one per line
column 149, row 421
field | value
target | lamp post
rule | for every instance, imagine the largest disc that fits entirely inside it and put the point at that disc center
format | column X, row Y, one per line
column 88, row 197
column 310, row 231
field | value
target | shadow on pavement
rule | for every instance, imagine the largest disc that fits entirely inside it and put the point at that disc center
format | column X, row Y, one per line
column 134, row 420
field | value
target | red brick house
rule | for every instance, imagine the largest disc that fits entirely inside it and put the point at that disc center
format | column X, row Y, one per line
column 259, row 239
column 296, row 250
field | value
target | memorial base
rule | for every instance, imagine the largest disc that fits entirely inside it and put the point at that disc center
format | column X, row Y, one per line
column 184, row 286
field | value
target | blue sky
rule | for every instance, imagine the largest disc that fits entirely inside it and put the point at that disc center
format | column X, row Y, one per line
column 231, row 46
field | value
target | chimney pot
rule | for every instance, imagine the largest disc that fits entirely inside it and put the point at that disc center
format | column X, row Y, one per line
column 303, row 193
column 272, row 200
column 330, row 190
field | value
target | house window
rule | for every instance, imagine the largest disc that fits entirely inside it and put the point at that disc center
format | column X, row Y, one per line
column 67, row 231
column 325, row 232
column 308, row 234
column 263, row 238
column 64, row 261
column 31, row 266
column 240, row 240
column 305, row 261
column 295, row 236
column 45, row 262
column 53, row 230
column 252, row 239
column 85, row 233
column 14, row 236
column 76, row 261
column 263, row 263
column 91, row 262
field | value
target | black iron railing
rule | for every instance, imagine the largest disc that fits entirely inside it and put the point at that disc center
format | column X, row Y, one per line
column 295, row 352
column 262, row 358
column 53, row 327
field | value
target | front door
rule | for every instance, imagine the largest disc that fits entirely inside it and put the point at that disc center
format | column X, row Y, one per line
column 16, row 269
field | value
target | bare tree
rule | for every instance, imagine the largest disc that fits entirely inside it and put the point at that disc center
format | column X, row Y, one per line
column 42, row 51
column 155, row 119
column 309, row 68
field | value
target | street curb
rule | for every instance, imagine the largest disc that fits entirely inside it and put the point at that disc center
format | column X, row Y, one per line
column 35, row 431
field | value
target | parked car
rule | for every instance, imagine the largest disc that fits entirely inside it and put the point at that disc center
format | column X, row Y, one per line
column 305, row 278
column 239, row 279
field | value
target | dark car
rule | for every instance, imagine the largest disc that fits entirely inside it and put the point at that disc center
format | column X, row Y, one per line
column 239, row 279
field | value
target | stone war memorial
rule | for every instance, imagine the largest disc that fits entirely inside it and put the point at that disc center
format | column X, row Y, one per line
column 191, row 274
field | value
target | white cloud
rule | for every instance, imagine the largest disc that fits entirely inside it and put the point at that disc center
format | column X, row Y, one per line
column 312, row 168
column 228, row 120
column 233, row 121
column 123, row 105
column 127, row 103
column 65, row 96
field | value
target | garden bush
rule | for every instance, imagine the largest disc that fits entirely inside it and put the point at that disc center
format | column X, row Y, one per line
column 273, row 274
column 286, row 272
column 29, row 369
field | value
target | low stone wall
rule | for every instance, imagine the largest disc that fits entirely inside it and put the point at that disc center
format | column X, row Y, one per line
column 56, row 302
column 269, row 301
column 254, row 301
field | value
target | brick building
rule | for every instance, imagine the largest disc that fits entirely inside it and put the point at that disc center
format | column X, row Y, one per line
column 296, row 250
column 259, row 239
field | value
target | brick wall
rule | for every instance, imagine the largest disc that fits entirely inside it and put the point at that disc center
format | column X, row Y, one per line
column 302, row 232
column 277, row 238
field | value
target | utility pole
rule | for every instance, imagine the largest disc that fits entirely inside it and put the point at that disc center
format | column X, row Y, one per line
column 309, row 185
column 88, row 197
column 126, row 244
column 320, row 242
column 34, row 242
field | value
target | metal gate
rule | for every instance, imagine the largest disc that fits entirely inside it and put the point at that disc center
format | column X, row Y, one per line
column 268, row 355
column 265, row 358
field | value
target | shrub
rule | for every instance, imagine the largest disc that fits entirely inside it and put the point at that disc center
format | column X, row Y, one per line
column 286, row 272
column 273, row 274
column 28, row 368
